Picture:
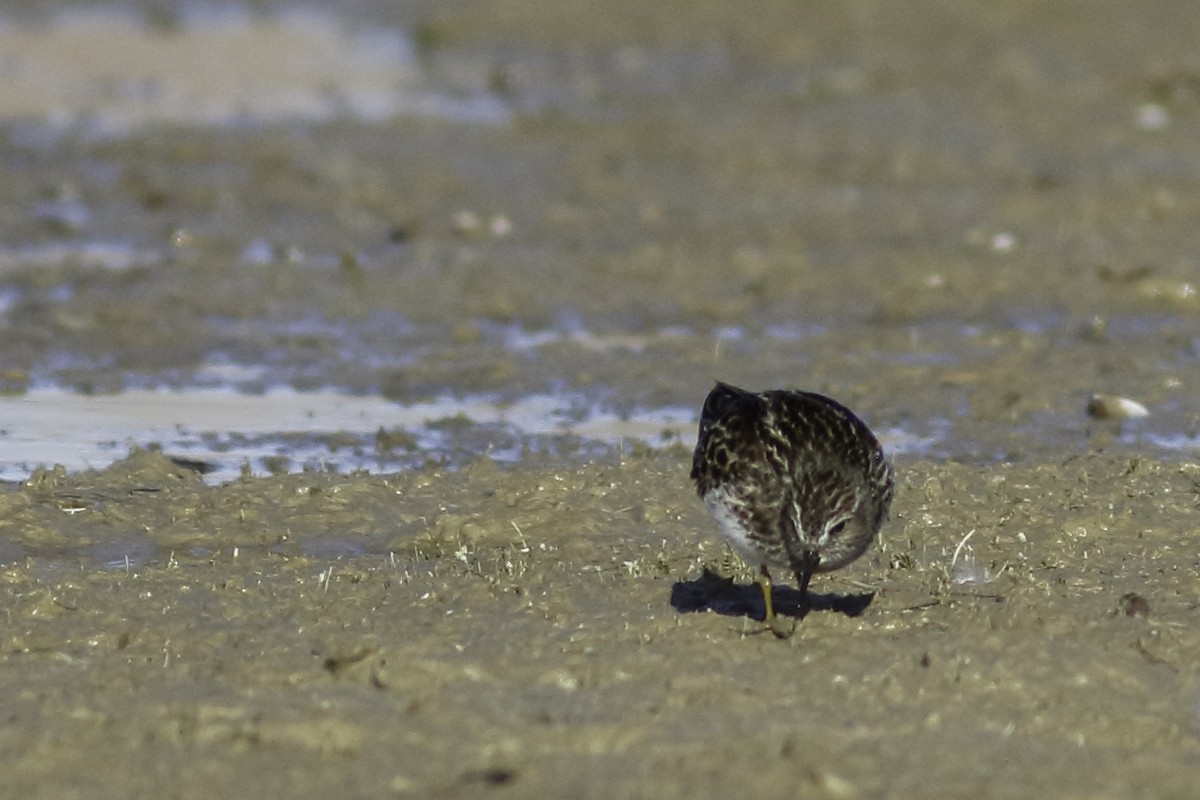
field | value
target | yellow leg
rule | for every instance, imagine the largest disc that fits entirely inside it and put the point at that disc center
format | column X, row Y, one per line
column 764, row 583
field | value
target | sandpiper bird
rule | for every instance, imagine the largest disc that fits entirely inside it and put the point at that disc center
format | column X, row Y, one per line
column 794, row 480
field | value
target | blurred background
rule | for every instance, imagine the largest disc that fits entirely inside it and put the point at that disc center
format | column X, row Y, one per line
column 375, row 235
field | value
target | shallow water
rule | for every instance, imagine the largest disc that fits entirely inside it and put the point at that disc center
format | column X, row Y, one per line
column 109, row 72
column 230, row 434
column 419, row 301
column 202, row 213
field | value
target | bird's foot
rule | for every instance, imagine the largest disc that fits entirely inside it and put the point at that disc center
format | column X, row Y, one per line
column 781, row 629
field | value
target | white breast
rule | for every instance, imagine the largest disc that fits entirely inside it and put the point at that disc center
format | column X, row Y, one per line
column 719, row 503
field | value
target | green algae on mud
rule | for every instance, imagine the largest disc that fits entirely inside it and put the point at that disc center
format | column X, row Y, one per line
column 521, row 627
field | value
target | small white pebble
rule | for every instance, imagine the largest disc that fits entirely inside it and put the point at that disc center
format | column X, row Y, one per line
column 1108, row 406
column 1153, row 117
column 1003, row 242
column 500, row 226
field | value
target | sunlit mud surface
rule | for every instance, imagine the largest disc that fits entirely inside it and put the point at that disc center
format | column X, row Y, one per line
column 1018, row 629
column 352, row 360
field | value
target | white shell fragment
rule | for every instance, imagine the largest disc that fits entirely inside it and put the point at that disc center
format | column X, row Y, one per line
column 1109, row 406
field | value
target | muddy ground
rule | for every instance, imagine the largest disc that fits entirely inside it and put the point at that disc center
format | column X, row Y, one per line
column 573, row 632
column 960, row 218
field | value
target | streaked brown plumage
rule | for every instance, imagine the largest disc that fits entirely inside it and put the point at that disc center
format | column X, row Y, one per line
column 794, row 480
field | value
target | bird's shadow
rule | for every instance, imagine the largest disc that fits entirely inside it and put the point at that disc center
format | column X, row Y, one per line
column 712, row 592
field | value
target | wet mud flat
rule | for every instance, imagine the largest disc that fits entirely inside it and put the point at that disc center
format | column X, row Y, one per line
column 1020, row 630
column 961, row 219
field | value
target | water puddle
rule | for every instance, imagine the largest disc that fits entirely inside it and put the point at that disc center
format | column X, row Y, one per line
column 283, row 430
column 288, row 430
column 106, row 72
column 107, row 255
